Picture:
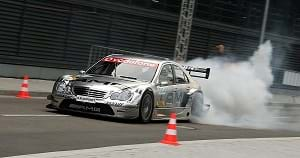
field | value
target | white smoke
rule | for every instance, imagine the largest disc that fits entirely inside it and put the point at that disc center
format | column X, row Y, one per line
column 238, row 91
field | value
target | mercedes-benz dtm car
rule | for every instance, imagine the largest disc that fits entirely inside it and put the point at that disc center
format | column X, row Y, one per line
column 131, row 87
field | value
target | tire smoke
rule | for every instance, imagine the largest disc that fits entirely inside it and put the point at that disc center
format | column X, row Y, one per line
column 238, row 92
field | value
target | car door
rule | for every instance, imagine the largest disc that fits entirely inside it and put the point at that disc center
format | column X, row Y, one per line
column 182, row 87
column 165, row 87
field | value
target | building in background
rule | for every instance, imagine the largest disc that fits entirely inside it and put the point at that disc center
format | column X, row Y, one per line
column 58, row 34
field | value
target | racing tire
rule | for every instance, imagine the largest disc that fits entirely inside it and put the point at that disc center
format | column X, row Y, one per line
column 146, row 107
column 197, row 104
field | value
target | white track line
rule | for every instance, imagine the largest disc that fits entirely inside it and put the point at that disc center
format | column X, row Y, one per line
column 31, row 115
column 9, row 96
column 185, row 127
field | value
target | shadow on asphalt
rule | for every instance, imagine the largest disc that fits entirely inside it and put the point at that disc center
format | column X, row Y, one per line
column 111, row 119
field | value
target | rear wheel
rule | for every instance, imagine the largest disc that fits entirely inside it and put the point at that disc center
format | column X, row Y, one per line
column 197, row 104
column 146, row 107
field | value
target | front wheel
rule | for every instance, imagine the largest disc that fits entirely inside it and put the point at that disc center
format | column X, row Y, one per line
column 146, row 107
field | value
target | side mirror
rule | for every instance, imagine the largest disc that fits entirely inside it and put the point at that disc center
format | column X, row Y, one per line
column 206, row 107
column 82, row 72
column 163, row 83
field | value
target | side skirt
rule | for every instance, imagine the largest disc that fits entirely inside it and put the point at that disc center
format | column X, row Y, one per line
column 182, row 113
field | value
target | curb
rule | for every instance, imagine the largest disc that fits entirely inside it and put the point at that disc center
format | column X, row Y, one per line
column 227, row 148
column 33, row 94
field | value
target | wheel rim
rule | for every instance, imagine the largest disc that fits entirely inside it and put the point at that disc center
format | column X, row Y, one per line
column 146, row 107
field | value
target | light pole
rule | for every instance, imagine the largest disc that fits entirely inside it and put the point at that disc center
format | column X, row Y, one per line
column 264, row 22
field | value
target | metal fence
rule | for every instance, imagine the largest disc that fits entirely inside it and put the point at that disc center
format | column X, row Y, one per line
column 35, row 34
column 283, row 78
column 286, row 79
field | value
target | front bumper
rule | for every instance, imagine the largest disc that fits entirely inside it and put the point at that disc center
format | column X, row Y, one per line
column 103, row 108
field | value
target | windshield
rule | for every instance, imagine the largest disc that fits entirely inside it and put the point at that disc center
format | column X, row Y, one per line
column 124, row 68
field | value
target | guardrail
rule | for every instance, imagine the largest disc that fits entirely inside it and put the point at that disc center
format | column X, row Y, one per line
column 285, row 116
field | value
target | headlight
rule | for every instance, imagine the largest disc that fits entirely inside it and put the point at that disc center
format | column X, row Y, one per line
column 63, row 87
column 125, row 95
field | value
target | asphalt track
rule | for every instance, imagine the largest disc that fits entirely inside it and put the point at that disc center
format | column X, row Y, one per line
column 27, row 127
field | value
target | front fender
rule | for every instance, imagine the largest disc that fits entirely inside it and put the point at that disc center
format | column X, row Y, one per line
column 138, row 93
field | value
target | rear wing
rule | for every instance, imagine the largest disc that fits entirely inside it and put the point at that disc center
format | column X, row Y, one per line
column 191, row 69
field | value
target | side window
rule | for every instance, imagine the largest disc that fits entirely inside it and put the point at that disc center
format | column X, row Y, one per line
column 166, row 75
column 180, row 75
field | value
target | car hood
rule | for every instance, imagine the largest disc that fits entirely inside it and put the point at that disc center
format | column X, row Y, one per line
column 108, row 83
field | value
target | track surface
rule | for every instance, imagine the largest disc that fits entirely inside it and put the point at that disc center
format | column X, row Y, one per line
column 27, row 127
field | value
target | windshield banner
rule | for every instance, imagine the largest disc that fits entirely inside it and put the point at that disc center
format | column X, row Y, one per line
column 129, row 61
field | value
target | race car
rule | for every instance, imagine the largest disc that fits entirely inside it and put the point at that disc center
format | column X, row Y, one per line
column 131, row 87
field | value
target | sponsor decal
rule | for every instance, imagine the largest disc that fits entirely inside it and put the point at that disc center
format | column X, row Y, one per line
column 119, row 110
column 161, row 91
column 85, row 99
column 116, row 104
column 188, row 67
column 129, row 61
column 178, row 97
column 168, row 99
column 84, row 108
column 161, row 102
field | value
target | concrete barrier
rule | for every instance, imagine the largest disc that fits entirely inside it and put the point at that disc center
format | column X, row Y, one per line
column 18, row 71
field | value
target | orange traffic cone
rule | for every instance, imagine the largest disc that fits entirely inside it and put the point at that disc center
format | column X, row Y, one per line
column 171, row 134
column 23, row 93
